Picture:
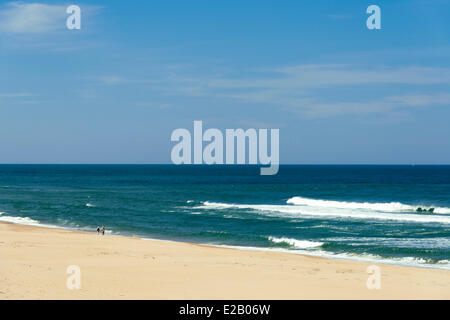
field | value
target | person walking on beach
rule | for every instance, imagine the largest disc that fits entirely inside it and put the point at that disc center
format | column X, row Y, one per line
column 103, row 231
column 98, row 230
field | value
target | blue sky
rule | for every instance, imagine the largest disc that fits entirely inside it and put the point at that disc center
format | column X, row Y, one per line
column 114, row 91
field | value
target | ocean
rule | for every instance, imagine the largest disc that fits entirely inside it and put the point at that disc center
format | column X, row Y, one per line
column 356, row 212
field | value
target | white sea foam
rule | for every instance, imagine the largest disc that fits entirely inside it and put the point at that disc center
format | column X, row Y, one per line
column 383, row 206
column 416, row 243
column 31, row 222
column 304, row 211
column 19, row 220
column 300, row 244
column 23, row 221
column 405, row 261
column 154, row 239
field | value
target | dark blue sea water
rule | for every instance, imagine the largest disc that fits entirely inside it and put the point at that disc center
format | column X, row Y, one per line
column 358, row 212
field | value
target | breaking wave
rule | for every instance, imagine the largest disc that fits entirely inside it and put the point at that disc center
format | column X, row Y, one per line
column 304, row 208
column 19, row 220
column 299, row 244
column 383, row 206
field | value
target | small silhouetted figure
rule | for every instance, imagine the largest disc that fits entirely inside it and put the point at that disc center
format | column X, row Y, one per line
column 103, row 231
column 98, row 230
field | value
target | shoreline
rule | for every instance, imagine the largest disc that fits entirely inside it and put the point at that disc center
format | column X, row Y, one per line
column 301, row 252
column 34, row 261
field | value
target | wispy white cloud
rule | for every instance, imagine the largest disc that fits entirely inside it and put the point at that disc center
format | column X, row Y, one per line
column 19, row 17
column 18, row 98
column 422, row 100
column 301, row 88
column 384, row 105
column 314, row 76
column 15, row 95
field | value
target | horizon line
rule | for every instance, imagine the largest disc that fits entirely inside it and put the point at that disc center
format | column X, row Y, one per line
column 225, row 165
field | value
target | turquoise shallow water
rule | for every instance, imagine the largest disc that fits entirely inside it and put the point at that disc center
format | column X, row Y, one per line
column 357, row 212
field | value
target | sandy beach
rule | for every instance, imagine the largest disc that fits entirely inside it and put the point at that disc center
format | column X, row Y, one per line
column 34, row 262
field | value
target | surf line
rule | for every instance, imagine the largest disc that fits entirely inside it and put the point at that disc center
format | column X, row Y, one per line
column 213, row 153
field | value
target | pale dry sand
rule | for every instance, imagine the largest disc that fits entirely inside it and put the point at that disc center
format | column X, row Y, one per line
column 33, row 264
